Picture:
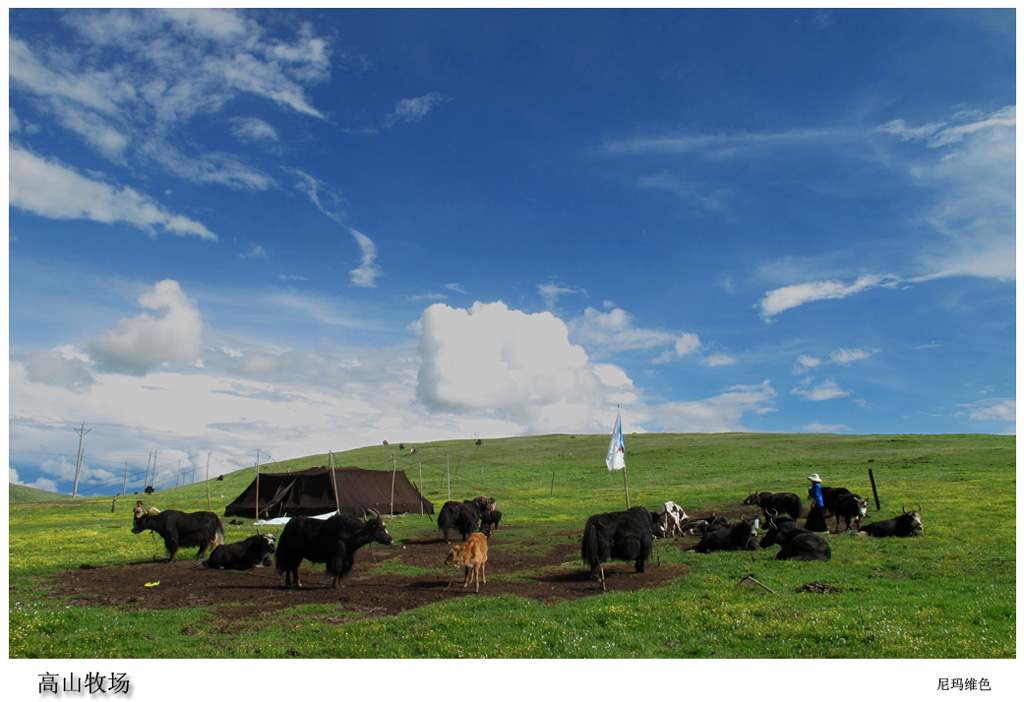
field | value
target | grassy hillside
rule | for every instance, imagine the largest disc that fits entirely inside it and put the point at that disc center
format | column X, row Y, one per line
column 947, row 594
column 21, row 493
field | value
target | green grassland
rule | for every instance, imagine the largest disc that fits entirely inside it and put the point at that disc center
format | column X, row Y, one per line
column 950, row 593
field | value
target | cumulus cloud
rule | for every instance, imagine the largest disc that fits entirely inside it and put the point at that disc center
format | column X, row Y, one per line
column 61, row 367
column 511, row 365
column 49, row 189
column 145, row 342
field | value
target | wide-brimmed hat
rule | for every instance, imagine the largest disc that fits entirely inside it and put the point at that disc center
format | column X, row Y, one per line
column 813, row 477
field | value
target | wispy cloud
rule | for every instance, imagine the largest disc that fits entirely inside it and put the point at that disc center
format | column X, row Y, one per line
column 995, row 409
column 839, row 357
column 616, row 330
column 174, row 65
column 550, row 292
column 366, row 274
column 827, row 390
column 50, row 189
column 411, row 110
column 777, row 301
column 254, row 251
column 251, row 129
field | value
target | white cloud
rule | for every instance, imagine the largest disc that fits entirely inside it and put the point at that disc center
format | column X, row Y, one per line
column 615, row 330
column 827, row 390
column 550, row 292
column 143, row 343
column 51, row 190
column 719, row 359
column 506, row 364
column 844, row 357
column 61, row 367
column 254, row 251
column 168, row 67
column 414, row 109
column 1001, row 410
column 251, row 129
column 969, row 164
column 805, row 363
column 366, row 274
column 777, row 301
column 723, row 412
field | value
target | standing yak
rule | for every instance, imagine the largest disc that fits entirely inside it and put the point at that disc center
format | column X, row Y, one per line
column 202, row 529
column 626, row 536
column 333, row 541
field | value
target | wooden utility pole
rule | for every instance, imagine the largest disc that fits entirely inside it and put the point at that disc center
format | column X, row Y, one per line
column 124, row 490
column 78, row 462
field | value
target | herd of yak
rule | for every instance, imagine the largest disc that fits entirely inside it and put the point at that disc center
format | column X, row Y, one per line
column 628, row 535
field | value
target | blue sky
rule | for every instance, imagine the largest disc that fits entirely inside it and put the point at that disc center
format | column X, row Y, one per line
column 302, row 231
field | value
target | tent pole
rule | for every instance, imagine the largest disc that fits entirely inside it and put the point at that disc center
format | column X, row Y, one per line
column 257, row 484
column 394, row 471
column 626, row 483
column 334, row 484
column 419, row 490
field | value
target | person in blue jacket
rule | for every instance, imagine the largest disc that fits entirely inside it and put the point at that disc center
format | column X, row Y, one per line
column 816, row 517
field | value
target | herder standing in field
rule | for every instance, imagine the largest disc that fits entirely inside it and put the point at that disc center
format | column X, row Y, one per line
column 816, row 517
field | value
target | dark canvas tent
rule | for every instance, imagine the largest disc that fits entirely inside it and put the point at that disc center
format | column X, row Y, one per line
column 313, row 491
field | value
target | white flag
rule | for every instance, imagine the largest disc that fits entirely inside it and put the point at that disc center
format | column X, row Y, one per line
column 617, row 449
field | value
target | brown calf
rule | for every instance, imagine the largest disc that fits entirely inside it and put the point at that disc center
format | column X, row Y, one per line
column 472, row 556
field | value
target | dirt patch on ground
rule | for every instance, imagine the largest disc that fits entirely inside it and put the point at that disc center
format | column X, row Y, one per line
column 373, row 587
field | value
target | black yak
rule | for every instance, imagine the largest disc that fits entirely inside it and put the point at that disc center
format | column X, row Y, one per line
column 627, row 536
column 797, row 543
column 778, row 502
column 464, row 516
column 849, row 507
column 490, row 520
column 907, row 524
column 741, row 536
column 202, row 529
column 333, row 541
column 242, row 555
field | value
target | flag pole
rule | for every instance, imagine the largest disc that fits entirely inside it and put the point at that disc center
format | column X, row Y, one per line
column 616, row 459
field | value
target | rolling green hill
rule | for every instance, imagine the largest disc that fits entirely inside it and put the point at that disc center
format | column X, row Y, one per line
column 950, row 593
column 22, row 493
